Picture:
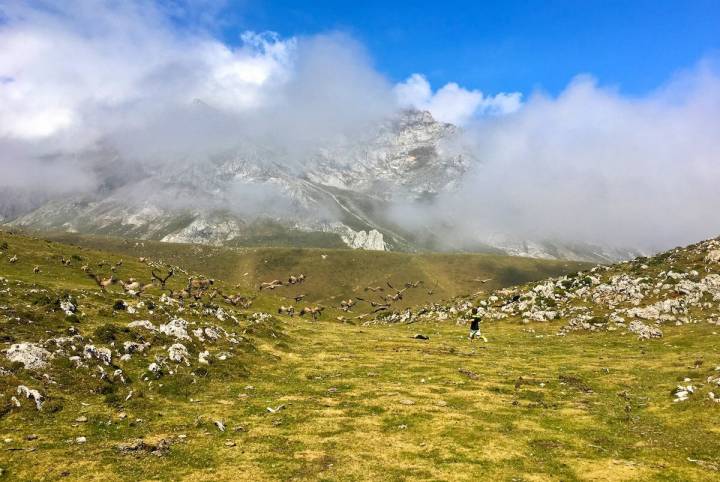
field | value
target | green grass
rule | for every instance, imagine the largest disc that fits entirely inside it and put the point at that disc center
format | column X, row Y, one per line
column 343, row 273
column 580, row 407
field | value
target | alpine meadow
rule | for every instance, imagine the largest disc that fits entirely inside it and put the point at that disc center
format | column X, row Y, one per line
column 264, row 240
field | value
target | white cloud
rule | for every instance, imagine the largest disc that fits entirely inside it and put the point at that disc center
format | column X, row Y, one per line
column 61, row 68
column 592, row 165
column 109, row 86
column 452, row 103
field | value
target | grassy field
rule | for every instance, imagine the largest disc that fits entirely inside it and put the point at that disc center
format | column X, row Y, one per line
column 335, row 274
column 351, row 402
column 374, row 404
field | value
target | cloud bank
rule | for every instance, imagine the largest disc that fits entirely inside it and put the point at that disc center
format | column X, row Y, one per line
column 105, row 90
column 592, row 165
column 452, row 103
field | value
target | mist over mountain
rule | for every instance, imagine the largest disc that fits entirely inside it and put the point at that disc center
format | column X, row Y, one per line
column 115, row 120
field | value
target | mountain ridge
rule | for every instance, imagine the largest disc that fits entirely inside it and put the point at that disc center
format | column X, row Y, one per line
column 342, row 194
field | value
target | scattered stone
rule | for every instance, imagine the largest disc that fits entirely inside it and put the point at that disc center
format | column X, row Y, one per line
column 179, row 354
column 419, row 336
column 644, row 331
column 203, row 357
column 471, row 375
column 31, row 355
column 155, row 369
column 134, row 347
column 146, row 324
column 80, row 440
column 31, row 394
column 68, row 307
column 407, row 401
column 81, row 419
column 230, row 443
column 682, row 393
column 220, row 425
column 176, row 328
column 159, row 448
column 101, row 354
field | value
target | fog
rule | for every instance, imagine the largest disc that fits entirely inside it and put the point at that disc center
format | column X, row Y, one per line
column 592, row 165
column 93, row 96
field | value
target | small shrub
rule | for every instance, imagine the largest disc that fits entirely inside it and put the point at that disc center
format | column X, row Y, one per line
column 52, row 406
column 73, row 318
column 107, row 332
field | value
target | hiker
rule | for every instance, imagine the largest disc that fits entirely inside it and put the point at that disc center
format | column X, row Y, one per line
column 475, row 325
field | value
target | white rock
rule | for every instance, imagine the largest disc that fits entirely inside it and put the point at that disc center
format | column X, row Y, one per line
column 142, row 324
column 31, row 394
column 68, row 307
column 176, row 328
column 203, row 357
column 102, row 354
column 178, row 353
column 644, row 331
column 31, row 355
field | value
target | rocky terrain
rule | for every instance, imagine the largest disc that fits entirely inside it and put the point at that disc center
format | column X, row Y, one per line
column 678, row 287
column 610, row 373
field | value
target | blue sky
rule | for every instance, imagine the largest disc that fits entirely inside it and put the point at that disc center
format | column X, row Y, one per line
column 127, row 75
column 509, row 45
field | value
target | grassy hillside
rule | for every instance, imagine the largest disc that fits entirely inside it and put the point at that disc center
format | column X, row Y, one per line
column 335, row 274
column 295, row 399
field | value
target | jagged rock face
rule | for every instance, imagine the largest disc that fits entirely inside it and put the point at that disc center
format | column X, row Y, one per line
column 412, row 152
column 209, row 202
column 204, row 231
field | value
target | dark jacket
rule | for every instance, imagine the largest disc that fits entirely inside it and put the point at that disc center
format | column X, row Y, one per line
column 475, row 323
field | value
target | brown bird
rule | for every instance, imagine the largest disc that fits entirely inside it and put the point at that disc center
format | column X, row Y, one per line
column 413, row 284
column 313, row 311
column 374, row 289
column 237, row 300
column 346, row 305
column 398, row 293
column 288, row 310
column 103, row 283
column 161, row 280
column 377, row 306
column 271, row 285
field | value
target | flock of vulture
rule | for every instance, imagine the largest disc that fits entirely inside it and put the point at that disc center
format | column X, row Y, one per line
column 196, row 288
column 383, row 302
column 199, row 287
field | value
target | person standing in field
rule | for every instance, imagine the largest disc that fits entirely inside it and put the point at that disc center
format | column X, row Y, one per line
column 475, row 320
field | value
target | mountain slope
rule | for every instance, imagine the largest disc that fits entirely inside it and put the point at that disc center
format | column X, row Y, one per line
column 108, row 385
column 340, row 194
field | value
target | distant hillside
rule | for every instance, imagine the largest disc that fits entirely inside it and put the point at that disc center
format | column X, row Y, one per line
column 677, row 287
column 334, row 274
